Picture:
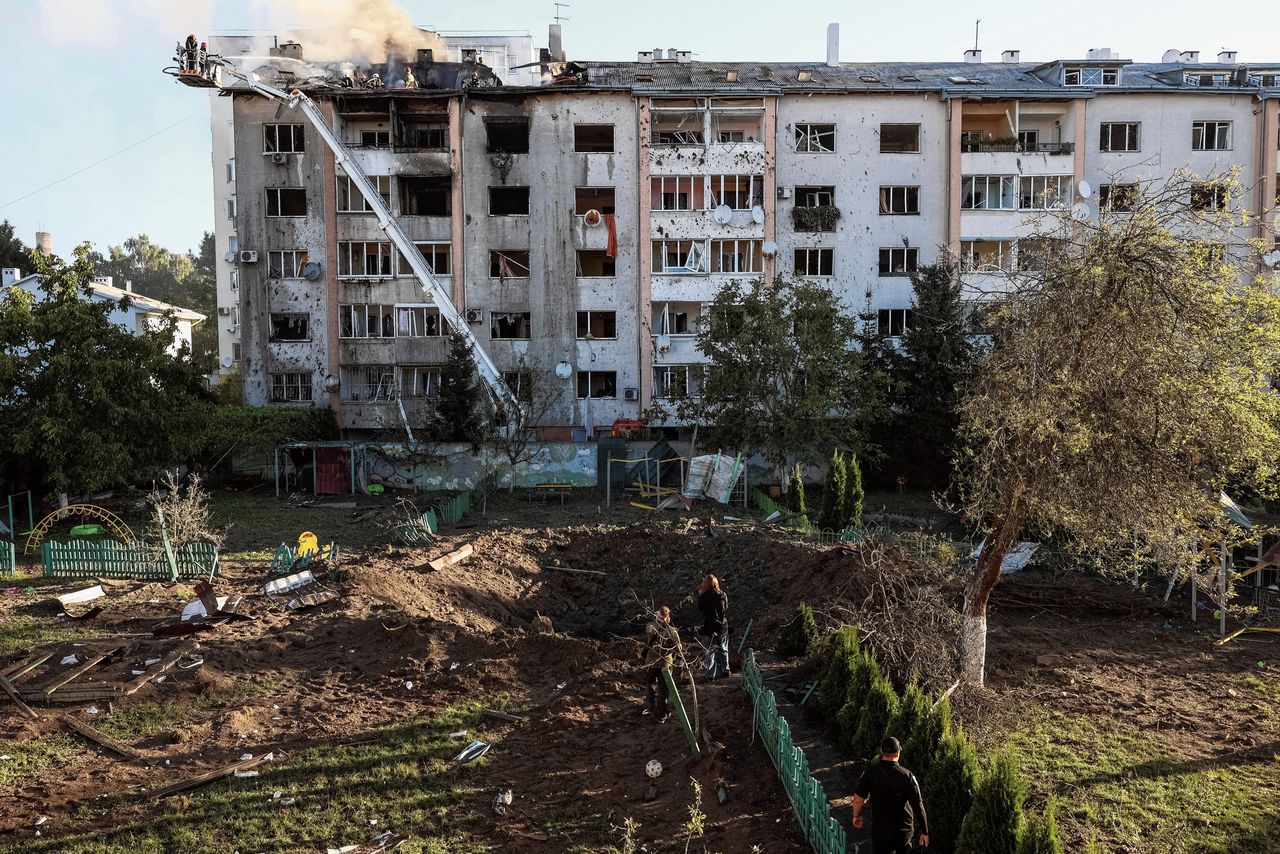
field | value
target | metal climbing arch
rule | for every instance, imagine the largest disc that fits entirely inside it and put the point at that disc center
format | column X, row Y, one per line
column 85, row 511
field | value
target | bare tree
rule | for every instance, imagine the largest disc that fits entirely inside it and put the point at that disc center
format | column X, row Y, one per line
column 181, row 513
column 512, row 434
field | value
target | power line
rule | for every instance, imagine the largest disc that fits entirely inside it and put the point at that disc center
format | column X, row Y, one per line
column 97, row 162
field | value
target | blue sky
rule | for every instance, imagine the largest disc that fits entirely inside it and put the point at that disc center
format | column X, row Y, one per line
column 82, row 77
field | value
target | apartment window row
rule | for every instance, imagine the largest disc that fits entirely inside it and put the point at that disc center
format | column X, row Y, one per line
column 371, row 259
column 1126, row 136
column 892, row 261
column 1007, row 255
column 696, row 257
column 419, row 196
column 698, row 192
column 820, row 137
column 381, row 383
column 1009, row 192
column 367, row 320
column 695, row 121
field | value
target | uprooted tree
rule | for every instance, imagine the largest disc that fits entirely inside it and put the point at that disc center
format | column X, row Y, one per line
column 1129, row 380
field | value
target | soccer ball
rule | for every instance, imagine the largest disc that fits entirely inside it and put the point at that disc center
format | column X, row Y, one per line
column 653, row 768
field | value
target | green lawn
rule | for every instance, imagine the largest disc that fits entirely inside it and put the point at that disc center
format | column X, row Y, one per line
column 29, row 757
column 256, row 523
column 19, row 633
column 398, row 781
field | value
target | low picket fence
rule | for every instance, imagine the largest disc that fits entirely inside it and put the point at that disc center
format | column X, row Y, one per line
column 8, row 559
column 112, row 559
column 808, row 797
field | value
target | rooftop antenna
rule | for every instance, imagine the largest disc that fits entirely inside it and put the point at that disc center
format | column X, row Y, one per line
column 559, row 17
column 975, row 33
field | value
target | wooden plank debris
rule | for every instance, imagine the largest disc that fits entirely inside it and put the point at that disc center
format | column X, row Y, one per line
column 502, row 716
column 22, row 668
column 8, row 688
column 101, row 738
column 81, row 670
column 571, row 569
column 165, row 665
column 202, row 779
column 453, row 557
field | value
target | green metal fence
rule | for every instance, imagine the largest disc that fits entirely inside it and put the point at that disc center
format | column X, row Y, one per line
column 459, row 505
column 7, row 559
column 113, row 559
column 808, row 797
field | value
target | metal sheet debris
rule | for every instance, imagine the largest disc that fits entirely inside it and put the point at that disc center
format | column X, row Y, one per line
column 289, row 582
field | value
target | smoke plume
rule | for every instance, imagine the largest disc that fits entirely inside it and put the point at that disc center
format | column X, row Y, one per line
column 359, row 31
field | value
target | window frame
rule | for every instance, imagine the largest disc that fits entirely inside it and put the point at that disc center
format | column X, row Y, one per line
column 495, row 263
column 814, row 257
column 431, row 251
column 291, row 381
column 753, row 256
column 385, row 314
column 908, row 193
column 1202, row 128
column 345, row 258
column 910, row 261
column 1039, row 196
column 298, row 258
column 435, row 374
column 694, row 378
column 610, row 317
column 297, row 138
column 807, row 137
column 527, row 316
column 271, row 327
column 971, row 181
column 695, row 247
column 885, row 321
column 692, row 187
column 382, row 183
column 1132, row 137
column 590, row 378
column 915, row 150
column 275, row 192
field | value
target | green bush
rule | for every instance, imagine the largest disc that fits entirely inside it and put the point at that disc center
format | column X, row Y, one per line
column 949, row 789
column 922, row 745
column 854, row 493
column 795, row 492
column 995, row 819
column 834, row 490
column 799, row 635
column 912, row 711
column 833, row 679
column 228, row 427
column 878, row 709
column 1040, row 832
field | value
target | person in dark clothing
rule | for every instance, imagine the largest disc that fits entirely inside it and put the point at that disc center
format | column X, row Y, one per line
column 894, row 794
column 713, row 603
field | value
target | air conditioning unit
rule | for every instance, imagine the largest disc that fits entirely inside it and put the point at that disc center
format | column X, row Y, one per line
column 248, row 256
column 784, row 192
column 630, row 394
column 224, row 310
column 474, row 315
column 279, row 157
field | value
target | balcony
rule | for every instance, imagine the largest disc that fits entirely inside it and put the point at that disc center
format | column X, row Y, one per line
column 1012, row 144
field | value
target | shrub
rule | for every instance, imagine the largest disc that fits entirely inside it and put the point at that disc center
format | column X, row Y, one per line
column 922, row 745
column 912, row 711
column 878, row 709
column 862, row 671
column 833, row 679
column 834, row 515
column 949, row 789
column 799, row 635
column 854, row 493
column 1040, row 832
column 994, row 820
column 795, row 492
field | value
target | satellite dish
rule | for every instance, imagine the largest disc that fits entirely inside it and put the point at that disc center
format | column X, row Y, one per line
column 227, row 361
column 1085, row 189
column 1080, row 212
column 664, row 343
column 332, row 383
column 1271, row 259
column 592, row 218
column 722, row 214
column 769, row 249
column 757, row 215
column 311, row 271
column 564, row 370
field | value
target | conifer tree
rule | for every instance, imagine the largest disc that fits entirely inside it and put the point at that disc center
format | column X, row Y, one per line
column 834, row 495
column 878, row 709
column 1040, row 832
column 799, row 635
column 854, row 493
column 458, row 417
column 923, row 744
column 949, row 790
column 795, row 492
column 833, row 680
column 995, row 819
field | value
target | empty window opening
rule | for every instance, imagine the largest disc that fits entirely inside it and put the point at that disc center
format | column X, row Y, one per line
column 597, row 324
column 737, row 256
column 368, row 382
column 596, row 263
column 420, row 381
column 989, row 193
column 508, row 263
column 739, row 192
column 815, row 261
column 593, row 138
column 680, row 123
column 365, row 320
column 426, row 195
column 290, row 387
column 510, row 325
column 676, row 381
column 892, row 322
column 899, row 139
column 736, row 121
column 986, row 256
column 350, row 200
column 508, row 201
column 1120, row 198
column 899, row 260
column 811, row 137
column 677, row 193
column 286, row 201
column 363, row 259
column 679, row 256
column 899, row 200
column 420, row 321
column 593, row 199
column 286, row 263
column 1209, row 197
column 597, row 384
column 676, row 318
column 435, row 254
column 1210, row 136
column 520, row 383
column 1119, row 136
column 283, row 139
column 815, row 197
column 1046, row 192
column 510, row 135
column 289, row 326
column 430, row 135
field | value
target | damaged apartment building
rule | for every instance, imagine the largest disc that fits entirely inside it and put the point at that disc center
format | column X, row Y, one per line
column 583, row 218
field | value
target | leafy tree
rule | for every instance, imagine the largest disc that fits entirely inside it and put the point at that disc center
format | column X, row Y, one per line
column 799, row 634
column 1130, row 381
column 834, row 513
column 13, row 252
column 795, row 492
column 227, row 427
column 995, row 819
column 854, row 493
column 458, row 416
column 83, row 402
column 878, row 709
column 932, row 374
column 1040, row 832
column 949, row 789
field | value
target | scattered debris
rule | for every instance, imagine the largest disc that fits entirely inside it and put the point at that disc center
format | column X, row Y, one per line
column 502, row 801
column 453, row 557
column 502, row 716
column 73, row 604
column 101, row 738
column 8, row 688
column 209, row 777
column 385, row 841
column 469, row 754
column 462, row 733
column 310, row 600
column 289, row 582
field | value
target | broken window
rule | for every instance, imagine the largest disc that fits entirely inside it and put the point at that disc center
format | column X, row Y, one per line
column 1090, row 76
column 593, row 138
column 508, row 264
column 420, row 381
column 815, row 209
column 899, row 260
column 1210, row 196
column 507, row 134
column 286, row 263
column 510, row 325
column 899, row 139
column 989, row 193
column 368, row 382
column 363, row 259
column 597, row 384
column 425, row 195
column 1046, row 192
column 739, row 192
column 677, row 381
column 375, row 139
column 520, row 383
column 1119, row 136
column 289, row 326
column 985, row 256
column 676, row 193
column 679, row 256
column 815, row 197
column 290, row 387
column 286, row 201
column 1210, row 136
column 366, row 320
column 420, row 321
column 1120, row 198
column 597, row 324
column 899, row 200
column 508, row 201
column 737, row 256
column 1035, row 253
column 676, row 318
column 811, row 137
column 815, row 261
column 736, row 120
column 892, row 322
column 678, row 121
column 595, row 263
column 593, row 199
column 435, row 254
column 350, row 199
column 283, row 139
column 431, row 135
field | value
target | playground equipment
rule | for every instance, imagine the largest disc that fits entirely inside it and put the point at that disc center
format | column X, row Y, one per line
column 85, row 511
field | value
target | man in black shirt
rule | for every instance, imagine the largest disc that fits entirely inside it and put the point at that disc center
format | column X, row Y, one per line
column 894, row 794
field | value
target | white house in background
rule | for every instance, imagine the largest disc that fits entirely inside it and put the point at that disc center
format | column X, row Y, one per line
column 142, row 311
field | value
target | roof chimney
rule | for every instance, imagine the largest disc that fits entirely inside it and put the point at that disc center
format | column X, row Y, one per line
column 1227, row 57
column 9, row 276
column 1011, row 56
column 644, row 56
column 973, row 55
column 1102, row 53
column 287, row 50
column 44, row 242
column 833, row 45
column 1189, row 56
column 555, row 42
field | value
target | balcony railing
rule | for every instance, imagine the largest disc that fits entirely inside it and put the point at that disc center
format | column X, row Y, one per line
column 1018, row 147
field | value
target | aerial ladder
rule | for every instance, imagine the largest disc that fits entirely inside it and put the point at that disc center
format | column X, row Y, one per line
column 201, row 69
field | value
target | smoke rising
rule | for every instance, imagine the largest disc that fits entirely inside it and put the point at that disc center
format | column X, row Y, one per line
column 360, row 31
